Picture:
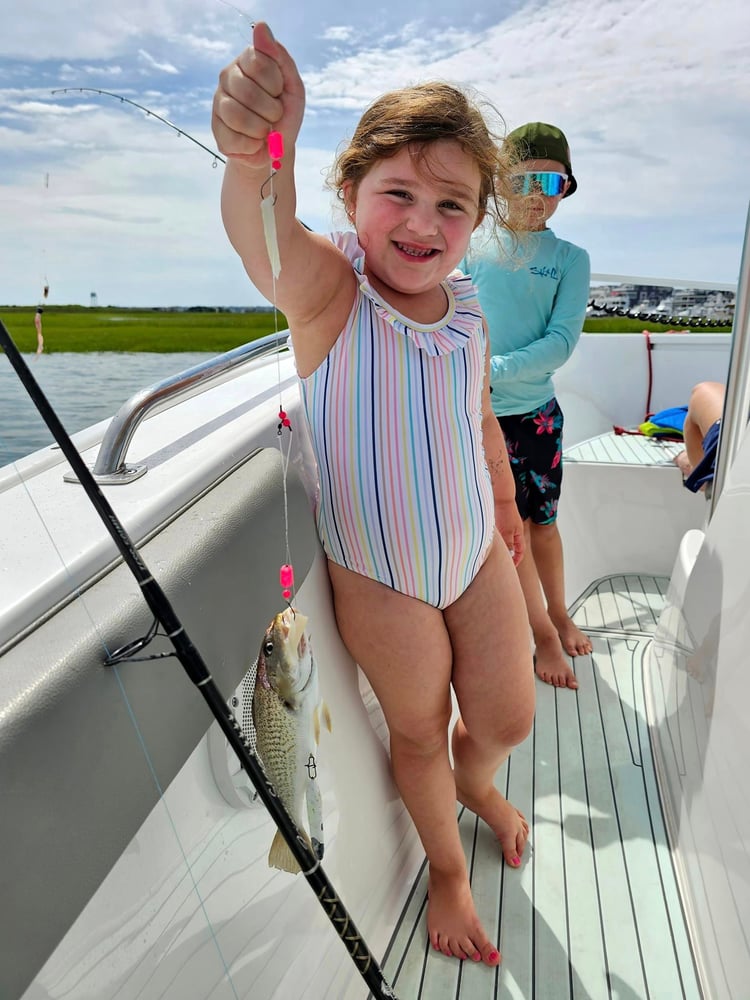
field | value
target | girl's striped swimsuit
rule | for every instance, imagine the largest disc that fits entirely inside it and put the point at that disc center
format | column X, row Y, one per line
column 395, row 415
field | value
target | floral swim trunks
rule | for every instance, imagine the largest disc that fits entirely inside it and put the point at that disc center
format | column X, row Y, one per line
column 534, row 442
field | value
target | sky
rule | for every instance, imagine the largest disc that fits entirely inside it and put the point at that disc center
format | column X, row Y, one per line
column 97, row 197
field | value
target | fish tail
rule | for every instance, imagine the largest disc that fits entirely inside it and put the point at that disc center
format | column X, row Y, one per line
column 281, row 857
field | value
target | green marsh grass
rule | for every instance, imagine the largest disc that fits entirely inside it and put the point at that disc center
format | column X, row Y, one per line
column 78, row 328
column 75, row 329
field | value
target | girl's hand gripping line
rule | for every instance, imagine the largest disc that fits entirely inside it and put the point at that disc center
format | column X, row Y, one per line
column 309, row 279
column 261, row 91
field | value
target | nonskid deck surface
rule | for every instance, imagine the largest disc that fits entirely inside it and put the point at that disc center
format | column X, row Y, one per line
column 624, row 449
column 594, row 910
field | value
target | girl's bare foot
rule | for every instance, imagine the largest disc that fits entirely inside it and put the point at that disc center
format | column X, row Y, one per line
column 506, row 822
column 551, row 665
column 452, row 922
column 574, row 641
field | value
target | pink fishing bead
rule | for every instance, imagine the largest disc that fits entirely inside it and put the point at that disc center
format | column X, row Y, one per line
column 275, row 149
column 286, row 577
column 286, row 594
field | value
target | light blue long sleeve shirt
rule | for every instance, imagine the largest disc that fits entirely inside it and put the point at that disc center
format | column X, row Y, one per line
column 534, row 304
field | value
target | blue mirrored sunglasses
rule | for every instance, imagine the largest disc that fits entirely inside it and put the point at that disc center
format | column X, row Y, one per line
column 546, row 182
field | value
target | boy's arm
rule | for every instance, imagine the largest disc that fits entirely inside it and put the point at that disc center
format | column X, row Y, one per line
column 508, row 520
column 552, row 350
column 259, row 92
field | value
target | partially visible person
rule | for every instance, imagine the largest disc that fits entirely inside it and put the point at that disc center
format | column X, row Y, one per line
column 38, row 325
column 534, row 293
column 701, row 433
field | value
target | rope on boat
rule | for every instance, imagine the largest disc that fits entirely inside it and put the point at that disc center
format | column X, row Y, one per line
column 656, row 317
column 198, row 672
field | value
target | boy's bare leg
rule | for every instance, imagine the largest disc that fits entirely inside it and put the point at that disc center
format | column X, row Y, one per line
column 550, row 663
column 404, row 649
column 494, row 684
column 548, row 555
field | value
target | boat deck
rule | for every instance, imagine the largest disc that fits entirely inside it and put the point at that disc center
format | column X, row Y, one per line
column 624, row 449
column 594, row 911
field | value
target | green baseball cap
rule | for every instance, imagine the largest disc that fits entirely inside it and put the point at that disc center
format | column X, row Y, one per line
column 540, row 141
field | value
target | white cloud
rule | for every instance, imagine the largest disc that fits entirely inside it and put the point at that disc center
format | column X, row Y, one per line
column 161, row 66
column 652, row 95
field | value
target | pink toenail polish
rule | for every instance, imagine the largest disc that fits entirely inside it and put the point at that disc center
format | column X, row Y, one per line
column 516, row 861
column 494, row 955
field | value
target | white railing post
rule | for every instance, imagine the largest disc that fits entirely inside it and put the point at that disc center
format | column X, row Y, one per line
column 737, row 399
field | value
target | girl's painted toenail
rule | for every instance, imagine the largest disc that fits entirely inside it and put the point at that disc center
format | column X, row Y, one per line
column 516, row 861
column 493, row 956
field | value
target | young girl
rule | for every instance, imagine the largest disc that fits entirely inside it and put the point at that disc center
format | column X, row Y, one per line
column 413, row 469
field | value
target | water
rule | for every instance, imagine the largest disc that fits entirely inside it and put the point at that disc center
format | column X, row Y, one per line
column 82, row 388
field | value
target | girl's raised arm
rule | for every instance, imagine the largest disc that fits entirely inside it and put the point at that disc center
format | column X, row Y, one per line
column 259, row 92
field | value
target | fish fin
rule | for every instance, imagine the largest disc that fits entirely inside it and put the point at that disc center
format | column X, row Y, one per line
column 326, row 717
column 281, row 857
column 316, row 725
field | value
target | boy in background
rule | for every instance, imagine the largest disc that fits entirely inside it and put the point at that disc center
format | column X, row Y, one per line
column 534, row 294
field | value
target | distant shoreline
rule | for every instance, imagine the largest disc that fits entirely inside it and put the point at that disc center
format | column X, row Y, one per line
column 76, row 329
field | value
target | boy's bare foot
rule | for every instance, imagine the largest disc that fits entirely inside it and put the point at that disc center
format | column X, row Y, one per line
column 574, row 641
column 551, row 665
column 452, row 922
column 506, row 822
column 683, row 464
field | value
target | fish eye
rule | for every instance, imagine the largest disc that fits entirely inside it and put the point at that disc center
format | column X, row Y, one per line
column 268, row 648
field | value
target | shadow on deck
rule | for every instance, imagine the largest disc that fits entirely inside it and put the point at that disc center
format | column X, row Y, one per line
column 594, row 911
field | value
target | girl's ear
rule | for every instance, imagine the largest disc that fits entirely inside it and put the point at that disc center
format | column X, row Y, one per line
column 350, row 199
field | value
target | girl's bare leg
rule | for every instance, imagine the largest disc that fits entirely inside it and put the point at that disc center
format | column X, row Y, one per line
column 548, row 555
column 493, row 679
column 404, row 648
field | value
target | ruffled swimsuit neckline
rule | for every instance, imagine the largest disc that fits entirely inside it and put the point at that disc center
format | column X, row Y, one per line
column 449, row 333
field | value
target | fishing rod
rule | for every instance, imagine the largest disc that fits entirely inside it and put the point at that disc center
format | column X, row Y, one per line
column 198, row 673
column 148, row 112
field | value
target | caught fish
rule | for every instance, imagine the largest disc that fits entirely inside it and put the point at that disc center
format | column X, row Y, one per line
column 287, row 715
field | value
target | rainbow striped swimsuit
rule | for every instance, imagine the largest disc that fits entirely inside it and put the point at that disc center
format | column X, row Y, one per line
column 395, row 415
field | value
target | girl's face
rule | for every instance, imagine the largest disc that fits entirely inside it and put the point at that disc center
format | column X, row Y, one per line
column 414, row 219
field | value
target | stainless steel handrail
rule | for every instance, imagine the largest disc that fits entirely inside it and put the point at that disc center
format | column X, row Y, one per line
column 737, row 399
column 110, row 465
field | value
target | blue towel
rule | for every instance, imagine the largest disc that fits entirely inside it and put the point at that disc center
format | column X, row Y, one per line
column 665, row 423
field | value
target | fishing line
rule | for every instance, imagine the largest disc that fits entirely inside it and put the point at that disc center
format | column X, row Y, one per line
column 198, row 672
column 275, row 145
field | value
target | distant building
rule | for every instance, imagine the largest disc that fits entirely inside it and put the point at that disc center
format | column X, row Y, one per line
column 94, row 302
column 696, row 303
